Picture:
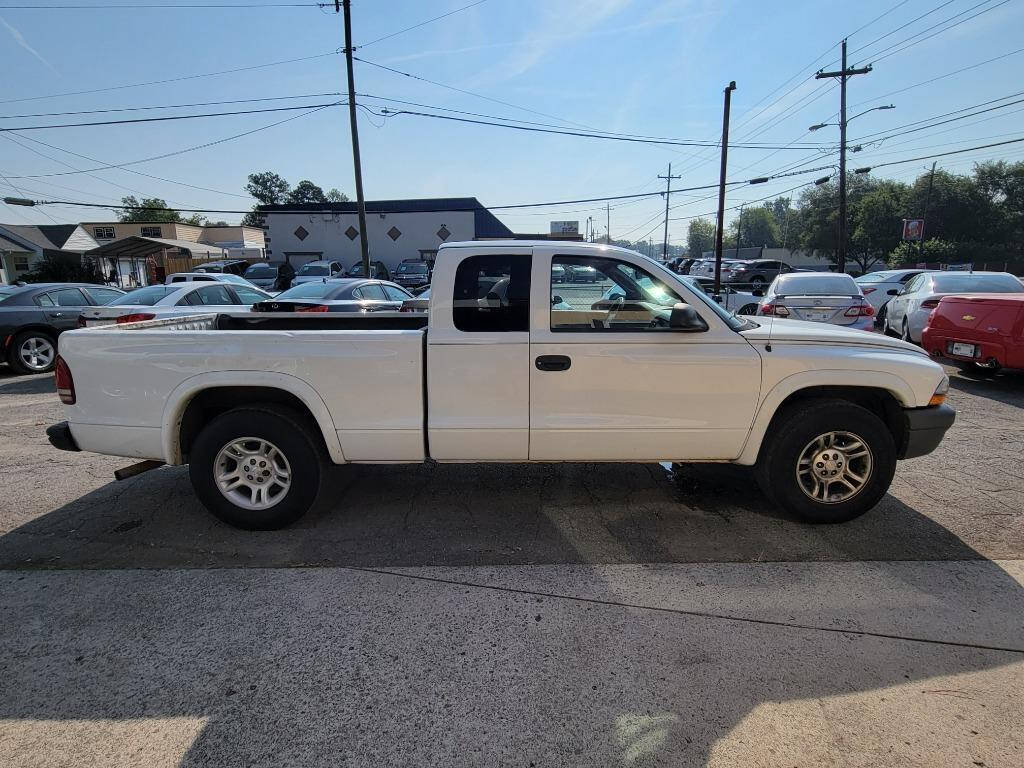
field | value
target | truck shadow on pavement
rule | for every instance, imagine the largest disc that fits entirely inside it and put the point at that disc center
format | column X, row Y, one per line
column 617, row 657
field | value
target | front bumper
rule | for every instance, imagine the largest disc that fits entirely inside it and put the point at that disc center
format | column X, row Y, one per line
column 924, row 429
column 60, row 437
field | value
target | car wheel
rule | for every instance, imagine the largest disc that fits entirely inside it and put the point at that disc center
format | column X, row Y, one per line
column 757, row 280
column 826, row 461
column 32, row 352
column 258, row 468
column 748, row 309
column 905, row 332
column 880, row 317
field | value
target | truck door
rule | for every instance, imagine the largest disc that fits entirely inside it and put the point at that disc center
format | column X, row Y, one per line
column 610, row 380
column 478, row 356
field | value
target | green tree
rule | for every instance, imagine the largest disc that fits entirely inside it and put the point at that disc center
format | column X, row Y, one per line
column 935, row 250
column 62, row 268
column 1003, row 184
column 757, row 227
column 306, row 192
column 147, row 209
column 876, row 224
column 700, row 237
column 336, row 196
column 269, row 189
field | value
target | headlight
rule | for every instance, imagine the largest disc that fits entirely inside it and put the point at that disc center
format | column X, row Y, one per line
column 939, row 397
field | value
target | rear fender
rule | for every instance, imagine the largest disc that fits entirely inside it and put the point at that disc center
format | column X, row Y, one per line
column 890, row 382
column 179, row 398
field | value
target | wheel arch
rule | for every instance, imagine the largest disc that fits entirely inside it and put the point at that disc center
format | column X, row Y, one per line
column 884, row 394
column 200, row 398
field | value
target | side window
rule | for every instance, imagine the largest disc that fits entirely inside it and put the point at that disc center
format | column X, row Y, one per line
column 614, row 296
column 371, row 291
column 492, row 294
column 907, row 278
column 914, row 284
column 68, row 297
column 395, row 294
column 214, row 295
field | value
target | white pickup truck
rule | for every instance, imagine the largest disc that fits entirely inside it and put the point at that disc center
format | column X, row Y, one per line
column 507, row 366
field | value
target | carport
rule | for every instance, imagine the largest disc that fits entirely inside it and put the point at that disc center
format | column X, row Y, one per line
column 140, row 260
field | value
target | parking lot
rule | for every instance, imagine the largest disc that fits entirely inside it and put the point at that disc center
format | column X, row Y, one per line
column 577, row 614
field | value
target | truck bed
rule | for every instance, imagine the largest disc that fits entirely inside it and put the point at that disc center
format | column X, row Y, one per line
column 362, row 377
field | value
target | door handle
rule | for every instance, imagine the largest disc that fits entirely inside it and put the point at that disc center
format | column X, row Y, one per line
column 56, row 314
column 553, row 363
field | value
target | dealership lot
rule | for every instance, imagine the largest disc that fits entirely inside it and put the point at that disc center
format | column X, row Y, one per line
column 548, row 614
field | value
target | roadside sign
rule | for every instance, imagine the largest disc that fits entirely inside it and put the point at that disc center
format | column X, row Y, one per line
column 913, row 229
column 966, row 266
column 565, row 228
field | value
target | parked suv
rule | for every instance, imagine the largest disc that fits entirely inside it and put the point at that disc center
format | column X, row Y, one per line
column 412, row 273
column 757, row 272
column 234, row 266
column 380, row 271
column 32, row 316
column 315, row 271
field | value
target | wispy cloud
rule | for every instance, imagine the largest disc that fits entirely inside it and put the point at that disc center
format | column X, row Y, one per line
column 20, row 40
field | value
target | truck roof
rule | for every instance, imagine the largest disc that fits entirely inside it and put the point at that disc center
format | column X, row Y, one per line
column 567, row 245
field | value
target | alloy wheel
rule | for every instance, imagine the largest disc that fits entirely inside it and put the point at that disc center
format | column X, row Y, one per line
column 37, row 353
column 252, row 473
column 834, row 467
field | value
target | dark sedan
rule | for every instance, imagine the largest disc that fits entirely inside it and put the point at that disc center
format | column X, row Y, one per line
column 32, row 316
column 344, row 295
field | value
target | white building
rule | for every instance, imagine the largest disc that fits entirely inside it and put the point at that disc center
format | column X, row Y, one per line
column 398, row 229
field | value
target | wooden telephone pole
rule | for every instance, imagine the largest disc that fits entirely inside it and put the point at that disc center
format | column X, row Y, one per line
column 721, row 188
column 668, row 191
column 356, row 164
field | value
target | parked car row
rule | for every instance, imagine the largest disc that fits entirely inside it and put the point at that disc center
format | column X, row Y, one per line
column 338, row 295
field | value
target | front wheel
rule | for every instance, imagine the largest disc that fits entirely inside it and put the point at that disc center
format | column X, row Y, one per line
column 32, row 352
column 257, row 467
column 748, row 309
column 827, row 461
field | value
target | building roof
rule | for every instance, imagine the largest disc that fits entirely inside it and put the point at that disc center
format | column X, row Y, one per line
column 141, row 246
column 48, row 236
column 485, row 223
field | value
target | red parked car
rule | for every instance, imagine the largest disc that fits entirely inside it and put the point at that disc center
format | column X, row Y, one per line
column 982, row 332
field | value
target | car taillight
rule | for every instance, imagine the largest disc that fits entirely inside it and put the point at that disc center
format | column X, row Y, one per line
column 929, row 304
column 316, row 308
column 775, row 309
column 862, row 310
column 65, row 384
column 135, row 317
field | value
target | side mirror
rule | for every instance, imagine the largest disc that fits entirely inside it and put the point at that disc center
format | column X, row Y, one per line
column 892, row 292
column 556, row 300
column 685, row 318
column 759, row 292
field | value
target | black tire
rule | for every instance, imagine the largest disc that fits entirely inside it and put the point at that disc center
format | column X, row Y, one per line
column 15, row 360
column 979, row 371
column 291, row 434
column 905, row 332
column 790, row 434
column 748, row 309
column 757, row 280
column 880, row 317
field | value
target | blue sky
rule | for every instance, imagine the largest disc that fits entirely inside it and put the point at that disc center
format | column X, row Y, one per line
column 651, row 67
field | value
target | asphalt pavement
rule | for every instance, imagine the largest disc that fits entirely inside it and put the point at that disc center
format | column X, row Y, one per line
column 572, row 614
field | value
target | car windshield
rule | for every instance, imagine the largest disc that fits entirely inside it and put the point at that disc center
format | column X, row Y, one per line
column 307, row 291
column 736, row 323
column 816, row 285
column 404, row 269
column 261, row 270
column 314, row 270
column 147, row 296
column 876, row 277
column 971, row 283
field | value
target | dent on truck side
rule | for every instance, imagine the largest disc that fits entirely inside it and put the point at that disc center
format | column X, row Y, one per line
column 178, row 400
column 898, row 387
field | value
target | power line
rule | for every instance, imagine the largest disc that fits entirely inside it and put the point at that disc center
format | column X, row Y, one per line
column 161, row 6
column 897, row 132
column 172, row 79
column 421, row 24
column 170, row 106
column 176, row 152
column 904, row 26
column 166, row 118
column 946, row 154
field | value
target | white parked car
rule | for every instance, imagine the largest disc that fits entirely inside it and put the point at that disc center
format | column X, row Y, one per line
column 159, row 301
column 818, row 297
column 316, row 271
column 907, row 313
column 205, row 277
column 879, row 287
column 259, row 407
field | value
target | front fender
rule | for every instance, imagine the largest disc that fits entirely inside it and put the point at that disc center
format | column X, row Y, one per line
column 890, row 382
column 179, row 398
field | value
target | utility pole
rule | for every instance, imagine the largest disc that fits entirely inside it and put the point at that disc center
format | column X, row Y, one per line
column 668, row 191
column 357, row 166
column 927, row 205
column 721, row 188
column 739, row 231
column 842, row 74
column 607, row 224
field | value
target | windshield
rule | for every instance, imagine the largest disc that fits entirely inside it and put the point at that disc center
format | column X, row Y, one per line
column 816, row 285
column 420, row 269
column 876, row 277
column 977, row 283
column 261, row 270
column 314, row 270
column 147, row 296
column 736, row 323
column 307, row 291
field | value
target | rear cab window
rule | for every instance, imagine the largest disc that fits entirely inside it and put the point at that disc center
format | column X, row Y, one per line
column 492, row 293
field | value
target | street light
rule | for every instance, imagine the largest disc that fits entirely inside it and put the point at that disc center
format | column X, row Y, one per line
column 843, row 122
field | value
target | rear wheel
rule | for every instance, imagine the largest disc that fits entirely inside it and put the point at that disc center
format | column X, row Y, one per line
column 827, row 461
column 32, row 352
column 905, row 332
column 757, row 280
column 748, row 309
column 258, row 467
